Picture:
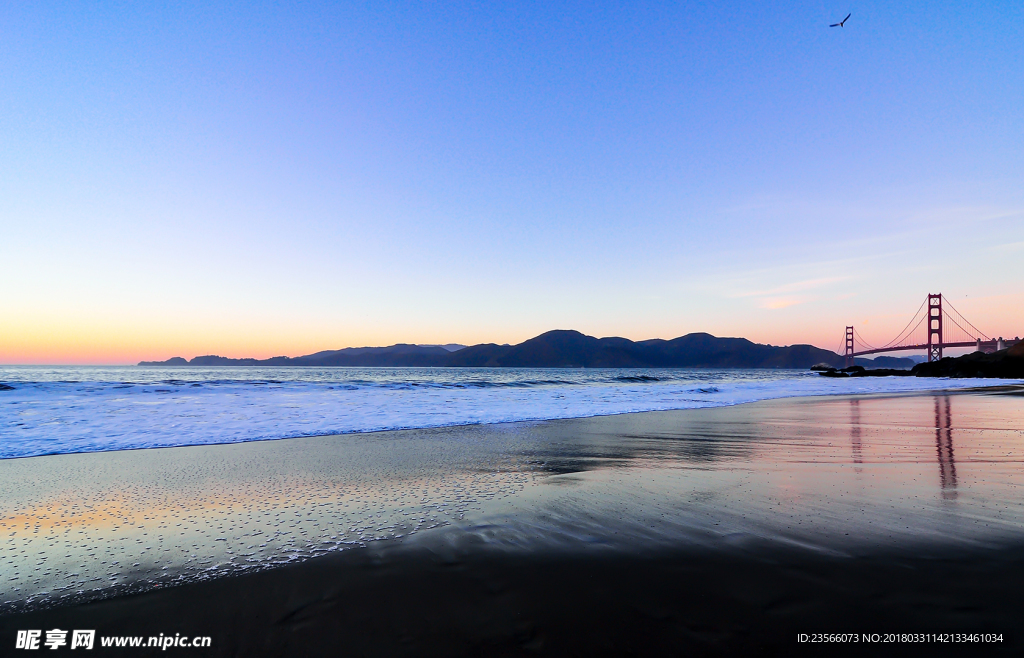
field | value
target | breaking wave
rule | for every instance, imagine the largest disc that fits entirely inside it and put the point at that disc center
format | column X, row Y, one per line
column 76, row 409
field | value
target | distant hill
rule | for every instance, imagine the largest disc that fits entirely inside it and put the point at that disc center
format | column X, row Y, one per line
column 557, row 349
column 571, row 349
column 400, row 355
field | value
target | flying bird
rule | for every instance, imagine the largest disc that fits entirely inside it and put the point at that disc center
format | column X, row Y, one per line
column 840, row 23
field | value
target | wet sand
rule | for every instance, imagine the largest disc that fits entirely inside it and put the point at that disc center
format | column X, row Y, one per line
column 418, row 603
column 709, row 531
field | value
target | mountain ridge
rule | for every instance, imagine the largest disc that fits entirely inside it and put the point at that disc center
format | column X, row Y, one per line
column 559, row 348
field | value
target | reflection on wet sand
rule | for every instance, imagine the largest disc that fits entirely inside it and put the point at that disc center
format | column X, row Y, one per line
column 944, row 446
column 778, row 472
column 858, row 456
column 75, row 527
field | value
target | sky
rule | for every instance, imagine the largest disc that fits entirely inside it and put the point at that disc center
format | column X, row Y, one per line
column 260, row 179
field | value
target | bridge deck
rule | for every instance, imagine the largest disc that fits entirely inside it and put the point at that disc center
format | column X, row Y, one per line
column 904, row 348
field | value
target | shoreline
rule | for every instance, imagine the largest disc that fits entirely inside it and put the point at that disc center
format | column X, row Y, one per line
column 634, row 520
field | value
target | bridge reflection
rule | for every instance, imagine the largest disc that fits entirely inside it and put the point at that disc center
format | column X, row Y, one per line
column 943, row 424
column 855, row 431
column 944, row 446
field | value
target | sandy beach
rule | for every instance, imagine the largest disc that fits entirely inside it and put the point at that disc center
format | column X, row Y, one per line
column 705, row 531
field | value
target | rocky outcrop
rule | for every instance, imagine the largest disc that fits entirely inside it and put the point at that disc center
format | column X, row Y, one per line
column 1004, row 364
column 860, row 371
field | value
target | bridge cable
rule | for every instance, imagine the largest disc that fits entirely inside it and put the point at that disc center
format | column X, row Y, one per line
column 863, row 342
column 896, row 347
column 900, row 335
column 966, row 321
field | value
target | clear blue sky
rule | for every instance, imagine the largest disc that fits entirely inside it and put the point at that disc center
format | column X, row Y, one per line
column 279, row 178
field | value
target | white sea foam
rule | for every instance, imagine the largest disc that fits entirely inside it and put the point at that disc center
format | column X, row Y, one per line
column 68, row 410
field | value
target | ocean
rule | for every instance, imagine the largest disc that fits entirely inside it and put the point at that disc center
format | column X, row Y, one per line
column 59, row 410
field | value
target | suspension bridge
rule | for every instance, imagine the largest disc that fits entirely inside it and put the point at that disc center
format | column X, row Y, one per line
column 936, row 325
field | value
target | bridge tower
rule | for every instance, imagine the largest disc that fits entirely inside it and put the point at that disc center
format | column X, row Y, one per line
column 849, row 346
column 934, row 327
